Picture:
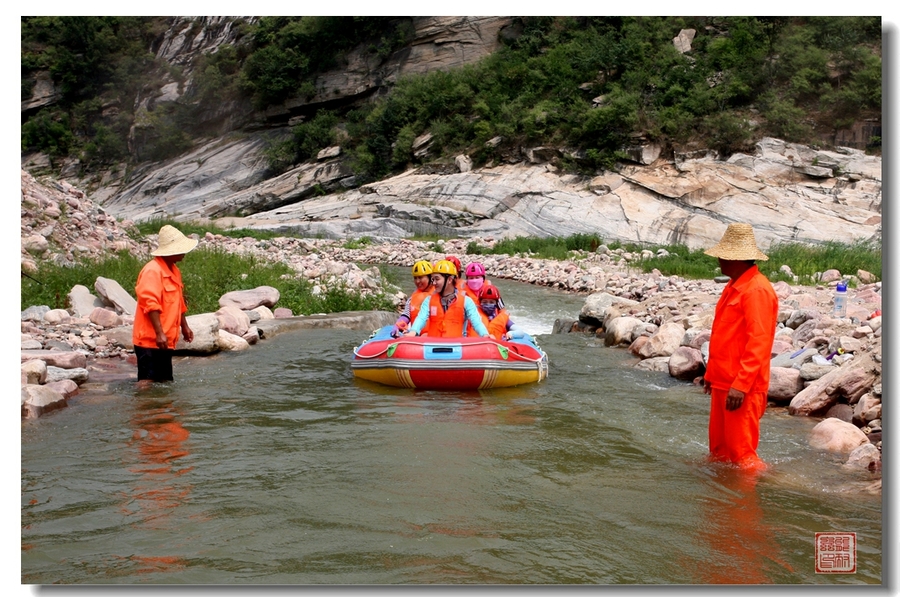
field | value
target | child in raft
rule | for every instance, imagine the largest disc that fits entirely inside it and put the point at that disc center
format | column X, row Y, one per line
column 494, row 316
column 445, row 313
column 421, row 272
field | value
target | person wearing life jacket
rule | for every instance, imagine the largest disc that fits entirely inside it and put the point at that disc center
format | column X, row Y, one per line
column 460, row 283
column 474, row 279
column 421, row 272
column 473, row 283
column 495, row 317
column 444, row 313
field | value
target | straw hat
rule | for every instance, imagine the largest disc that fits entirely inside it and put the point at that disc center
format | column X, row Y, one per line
column 173, row 242
column 738, row 244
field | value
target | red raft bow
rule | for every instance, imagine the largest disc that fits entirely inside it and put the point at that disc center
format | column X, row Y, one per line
column 449, row 363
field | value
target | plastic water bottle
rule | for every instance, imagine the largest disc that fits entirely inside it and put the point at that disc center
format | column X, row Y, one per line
column 840, row 300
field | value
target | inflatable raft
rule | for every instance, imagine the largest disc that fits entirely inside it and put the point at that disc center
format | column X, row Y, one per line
column 448, row 363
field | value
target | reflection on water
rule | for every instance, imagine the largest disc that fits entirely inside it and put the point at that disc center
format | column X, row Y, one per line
column 159, row 441
column 277, row 466
column 736, row 531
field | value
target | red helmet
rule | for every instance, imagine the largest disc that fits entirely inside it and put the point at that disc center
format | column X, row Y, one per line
column 490, row 292
column 455, row 261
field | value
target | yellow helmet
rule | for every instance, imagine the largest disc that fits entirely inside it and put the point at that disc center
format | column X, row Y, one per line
column 445, row 267
column 422, row 268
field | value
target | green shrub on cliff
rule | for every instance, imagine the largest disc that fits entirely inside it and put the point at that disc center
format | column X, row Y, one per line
column 593, row 84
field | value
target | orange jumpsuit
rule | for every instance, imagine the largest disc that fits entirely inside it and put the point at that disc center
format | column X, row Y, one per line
column 740, row 352
column 158, row 288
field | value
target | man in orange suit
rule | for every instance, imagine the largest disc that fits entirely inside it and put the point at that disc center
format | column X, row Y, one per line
column 161, row 309
column 740, row 350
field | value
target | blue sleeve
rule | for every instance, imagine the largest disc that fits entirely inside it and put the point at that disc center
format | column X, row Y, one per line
column 422, row 318
column 474, row 318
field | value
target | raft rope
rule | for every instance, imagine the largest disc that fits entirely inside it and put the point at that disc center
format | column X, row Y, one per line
column 490, row 342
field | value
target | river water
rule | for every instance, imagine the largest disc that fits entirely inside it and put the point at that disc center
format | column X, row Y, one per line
column 276, row 465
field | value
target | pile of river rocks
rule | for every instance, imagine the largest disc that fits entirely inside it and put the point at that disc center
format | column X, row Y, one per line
column 822, row 366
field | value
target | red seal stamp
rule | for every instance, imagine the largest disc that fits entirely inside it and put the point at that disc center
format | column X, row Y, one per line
column 835, row 553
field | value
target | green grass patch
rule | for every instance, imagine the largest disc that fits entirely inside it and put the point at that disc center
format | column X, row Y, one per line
column 358, row 243
column 152, row 226
column 804, row 260
column 542, row 248
column 207, row 273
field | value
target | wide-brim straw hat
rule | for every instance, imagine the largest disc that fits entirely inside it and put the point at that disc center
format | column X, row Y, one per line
column 173, row 242
column 738, row 244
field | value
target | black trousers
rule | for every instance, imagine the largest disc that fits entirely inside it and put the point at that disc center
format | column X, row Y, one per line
column 154, row 364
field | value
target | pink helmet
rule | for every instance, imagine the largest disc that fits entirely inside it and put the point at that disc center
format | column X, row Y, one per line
column 474, row 270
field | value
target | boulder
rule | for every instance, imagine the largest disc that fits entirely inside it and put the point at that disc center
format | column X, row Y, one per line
column 841, row 411
column 782, row 290
column 57, row 358
column 813, row 371
column 56, row 316
column 29, row 343
column 228, row 341
column 105, row 318
column 38, row 400
column 35, row 313
column 784, row 384
column 863, row 457
column 252, row 335
column 595, row 305
column 686, row 363
column 246, row 300
column 66, row 387
column 780, row 347
column 35, row 244
column 206, row 334
column 700, row 339
column 82, row 301
column 620, row 331
column 283, row 313
column 800, row 316
column 659, row 364
column 233, row 320
column 463, row 163
column 847, row 344
column 872, row 417
column 664, row 342
column 34, row 372
column 635, row 347
column 830, row 275
column 835, row 435
column 853, row 382
column 113, row 293
column 264, row 312
column 78, row 374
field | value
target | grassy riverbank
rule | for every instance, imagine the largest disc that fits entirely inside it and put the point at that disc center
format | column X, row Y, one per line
column 207, row 273
column 805, row 261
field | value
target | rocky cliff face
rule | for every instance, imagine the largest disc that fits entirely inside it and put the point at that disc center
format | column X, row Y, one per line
column 787, row 192
column 438, row 43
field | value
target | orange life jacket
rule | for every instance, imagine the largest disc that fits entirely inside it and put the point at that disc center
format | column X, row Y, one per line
column 446, row 324
column 497, row 325
column 415, row 302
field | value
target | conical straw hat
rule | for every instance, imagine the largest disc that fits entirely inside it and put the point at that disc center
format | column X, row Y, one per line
column 738, row 244
column 173, row 242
